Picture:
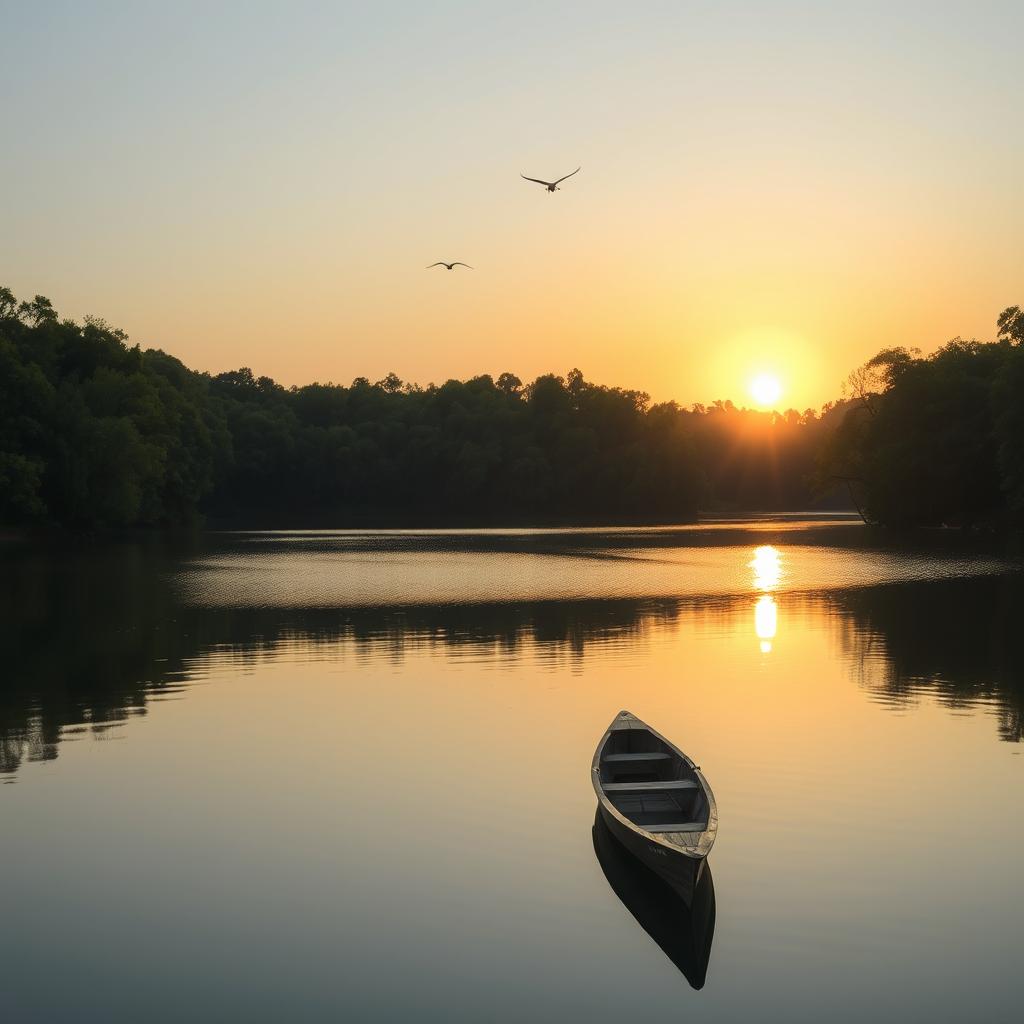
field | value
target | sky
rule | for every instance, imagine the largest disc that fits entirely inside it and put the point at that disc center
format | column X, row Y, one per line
column 767, row 188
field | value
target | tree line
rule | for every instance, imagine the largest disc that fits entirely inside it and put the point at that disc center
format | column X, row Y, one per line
column 937, row 440
column 97, row 432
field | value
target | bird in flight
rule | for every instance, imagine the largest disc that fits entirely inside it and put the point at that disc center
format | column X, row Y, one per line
column 449, row 266
column 552, row 186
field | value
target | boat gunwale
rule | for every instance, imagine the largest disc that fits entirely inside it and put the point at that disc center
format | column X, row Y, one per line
column 707, row 835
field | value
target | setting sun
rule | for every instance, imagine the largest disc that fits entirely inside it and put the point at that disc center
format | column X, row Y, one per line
column 765, row 389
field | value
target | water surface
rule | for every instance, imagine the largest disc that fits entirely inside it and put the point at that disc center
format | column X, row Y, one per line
column 312, row 775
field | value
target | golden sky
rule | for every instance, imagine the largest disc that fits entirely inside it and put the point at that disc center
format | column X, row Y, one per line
column 766, row 188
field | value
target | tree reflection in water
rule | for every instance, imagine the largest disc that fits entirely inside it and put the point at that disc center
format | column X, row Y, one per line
column 91, row 638
column 957, row 641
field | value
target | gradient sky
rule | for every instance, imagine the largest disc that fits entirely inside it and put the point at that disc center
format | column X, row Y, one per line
column 782, row 187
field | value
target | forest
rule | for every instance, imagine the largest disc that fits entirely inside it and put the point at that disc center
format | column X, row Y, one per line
column 98, row 433
column 936, row 440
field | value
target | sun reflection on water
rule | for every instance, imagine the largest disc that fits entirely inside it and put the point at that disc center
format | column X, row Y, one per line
column 766, row 616
column 767, row 566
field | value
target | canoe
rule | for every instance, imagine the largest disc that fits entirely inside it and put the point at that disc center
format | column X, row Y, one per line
column 682, row 931
column 655, row 801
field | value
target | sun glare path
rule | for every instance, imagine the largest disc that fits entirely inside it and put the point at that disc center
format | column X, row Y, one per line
column 766, row 619
column 765, row 389
column 767, row 566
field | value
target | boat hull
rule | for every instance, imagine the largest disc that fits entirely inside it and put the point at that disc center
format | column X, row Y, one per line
column 680, row 870
column 684, row 931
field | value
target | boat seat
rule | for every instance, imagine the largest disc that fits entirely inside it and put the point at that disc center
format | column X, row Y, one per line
column 679, row 826
column 652, row 755
column 648, row 787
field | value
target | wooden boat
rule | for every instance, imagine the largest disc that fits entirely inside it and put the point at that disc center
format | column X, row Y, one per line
column 655, row 801
column 682, row 931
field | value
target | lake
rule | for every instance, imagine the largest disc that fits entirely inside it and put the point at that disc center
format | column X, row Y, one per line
column 346, row 775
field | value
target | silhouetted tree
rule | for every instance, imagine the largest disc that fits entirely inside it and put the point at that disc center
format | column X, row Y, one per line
column 937, row 440
column 94, row 431
column 1011, row 325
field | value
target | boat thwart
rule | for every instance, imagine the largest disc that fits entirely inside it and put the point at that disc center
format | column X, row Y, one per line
column 655, row 801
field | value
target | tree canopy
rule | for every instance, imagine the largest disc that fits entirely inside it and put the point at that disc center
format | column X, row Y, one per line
column 938, row 440
column 97, row 432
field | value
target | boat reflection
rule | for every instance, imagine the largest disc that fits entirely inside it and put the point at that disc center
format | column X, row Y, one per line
column 683, row 932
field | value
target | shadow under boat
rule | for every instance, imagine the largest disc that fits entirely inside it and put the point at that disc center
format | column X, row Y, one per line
column 683, row 932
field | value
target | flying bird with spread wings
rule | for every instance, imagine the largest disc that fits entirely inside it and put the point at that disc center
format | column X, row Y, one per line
column 552, row 186
column 449, row 266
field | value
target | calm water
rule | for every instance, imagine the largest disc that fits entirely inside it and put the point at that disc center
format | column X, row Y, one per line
column 323, row 776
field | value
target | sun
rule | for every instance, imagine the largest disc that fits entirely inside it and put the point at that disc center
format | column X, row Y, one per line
column 765, row 389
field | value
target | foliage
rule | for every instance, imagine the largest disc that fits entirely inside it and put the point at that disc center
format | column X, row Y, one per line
column 95, row 431
column 938, row 440
column 1011, row 325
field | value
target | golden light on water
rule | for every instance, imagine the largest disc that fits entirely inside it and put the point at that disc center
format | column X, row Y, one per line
column 767, row 566
column 766, row 621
